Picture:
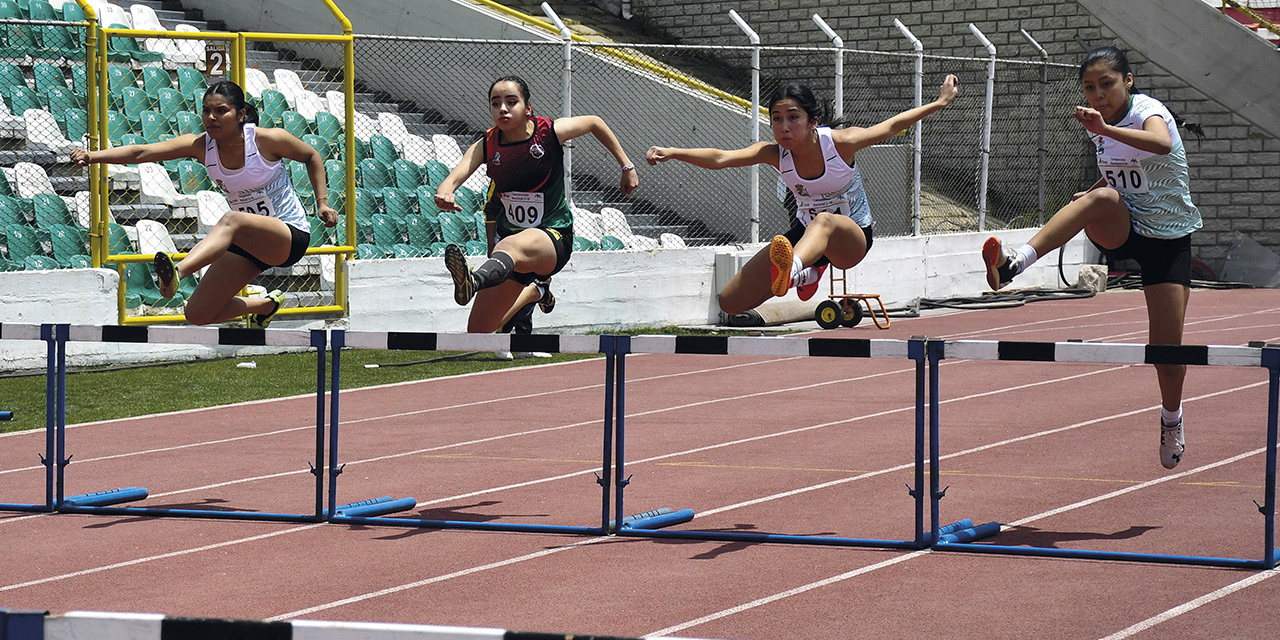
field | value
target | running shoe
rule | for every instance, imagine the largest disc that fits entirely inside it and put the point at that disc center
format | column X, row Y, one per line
column 548, row 300
column 464, row 283
column 261, row 320
column 780, row 260
column 806, row 290
column 503, row 355
column 1171, row 444
column 166, row 275
column 999, row 264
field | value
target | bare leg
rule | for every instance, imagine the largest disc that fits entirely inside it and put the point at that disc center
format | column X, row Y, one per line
column 1101, row 214
column 1166, row 313
column 835, row 236
column 527, row 295
column 268, row 239
column 215, row 299
column 491, row 306
column 749, row 288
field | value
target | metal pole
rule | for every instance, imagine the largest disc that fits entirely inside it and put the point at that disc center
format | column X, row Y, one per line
column 986, row 127
column 754, row 115
column 919, row 126
column 838, row 43
column 566, row 92
column 1044, row 105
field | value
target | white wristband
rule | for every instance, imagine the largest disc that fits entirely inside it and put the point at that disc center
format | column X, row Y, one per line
column 628, row 167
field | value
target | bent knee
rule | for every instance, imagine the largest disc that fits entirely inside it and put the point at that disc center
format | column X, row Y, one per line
column 1105, row 195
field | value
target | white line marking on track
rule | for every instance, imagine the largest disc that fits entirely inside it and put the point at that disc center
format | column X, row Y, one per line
column 1192, row 605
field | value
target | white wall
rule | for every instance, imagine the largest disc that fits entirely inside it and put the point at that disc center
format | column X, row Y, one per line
column 596, row 291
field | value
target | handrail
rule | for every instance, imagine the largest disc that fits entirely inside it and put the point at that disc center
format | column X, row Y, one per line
column 1262, row 22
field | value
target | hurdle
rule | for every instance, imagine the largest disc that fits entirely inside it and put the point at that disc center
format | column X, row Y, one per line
column 104, row 502
column 54, row 408
column 1267, row 357
column 373, row 511
column 913, row 349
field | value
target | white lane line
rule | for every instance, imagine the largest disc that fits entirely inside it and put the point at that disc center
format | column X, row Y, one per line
column 1192, row 605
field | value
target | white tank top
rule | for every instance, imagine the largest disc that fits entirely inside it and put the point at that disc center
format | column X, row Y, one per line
column 838, row 190
column 260, row 187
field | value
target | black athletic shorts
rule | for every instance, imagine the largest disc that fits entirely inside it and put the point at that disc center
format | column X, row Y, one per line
column 1161, row 260
column 562, row 239
column 298, row 246
column 797, row 231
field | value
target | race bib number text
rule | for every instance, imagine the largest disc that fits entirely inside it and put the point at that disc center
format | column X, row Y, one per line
column 1125, row 177
column 523, row 209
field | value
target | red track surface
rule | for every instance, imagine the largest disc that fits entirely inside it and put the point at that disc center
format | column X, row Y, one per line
column 782, row 445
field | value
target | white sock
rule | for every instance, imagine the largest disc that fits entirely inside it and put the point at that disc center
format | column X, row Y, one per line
column 1170, row 418
column 1026, row 257
column 796, row 268
column 808, row 276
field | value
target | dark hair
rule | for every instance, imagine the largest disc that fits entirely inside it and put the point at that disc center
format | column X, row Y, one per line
column 1119, row 62
column 820, row 111
column 524, row 86
column 234, row 95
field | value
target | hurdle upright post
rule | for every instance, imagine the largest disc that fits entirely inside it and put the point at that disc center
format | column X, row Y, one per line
column 337, row 340
column 1271, row 360
column 320, row 343
column 622, row 346
column 61, row 334
column 52, row 447
column 605, row 479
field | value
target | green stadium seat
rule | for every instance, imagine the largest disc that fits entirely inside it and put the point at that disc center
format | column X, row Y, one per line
column 122, row 49
column 79, row 262
column 335, row 172
column 154, row 126
column 301, row 180
column 117, row 127
column 24, row 241
column 610, row 243
column 192, row 84
column 118, row 241
column 187, row 122
column 11, row 76
column 476, row 248
column 75, row 124
column 329, row 128
column 11, row 211
column 426, row 199
column 71, row 12
column 40, row 263
column 169, row 102
column 582, row 244
column 469, row 201
column 455, row 228
column 399, row 203
column 408, row 251
column 48, row 76
column 79, row 80
column 436, row 173
column 294, row 123
column 154, row 79
column 51, row 211
column 374, row 175
column 20, row 99
column 407, row 174
column 320, row 234
column 366, row 251
column 387, row 231
column 139, row 280
column 274, row 105
column 316, row 142
column 133, row 101
column 57, row 41
column 67, row 242
column 383, row 149
column 9, row 265
column 193, row 178
column 420, row 233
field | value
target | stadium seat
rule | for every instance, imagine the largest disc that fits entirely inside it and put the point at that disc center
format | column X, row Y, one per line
column 193, row 178
column 124, row 49
column 408, row 251
column 40, row 263
column 386, row 231
column 139, row 280
column 43, row 130
column 187, row 122
column 187, row 52
column 47, row 76
column 419, row 231
column 469, row 201
column 21, row 99
column 192, row 84
column 366, row 205
column 31, row 180
column 52, row 211
column 294, row 123
column 11, row 212
column 119, row 241
column 58, row 100
column 610, row 243
column 399, row 203
column 308, row 104
column 336, row 180
column 67, row 242
column 478, row 181
column 274, row 104
column 671, row 241
column 336, row 103
column 316, row 142
column 211, row 206
column 112, row 14
column 407, row 174
column 456, row 228
column 153, row 80
column 301, row 181
column 289, row 84
column 448, row 152
column 320, row 234
column 24, row 241
column 366, row 127
column 392, row 127
column 255, row 82
column 157, row 188
column 133, row 101
column 329, row 128
column 170, row 102
column 582, row 244
column 145, row 19
column 436, row 173
column 9, row 265
column 382, row 149
column 374, row 175
column 587, row 224
column 154, row 126
column 80, row 262
column 418, row 150
column 154, row 238
column 367, row 251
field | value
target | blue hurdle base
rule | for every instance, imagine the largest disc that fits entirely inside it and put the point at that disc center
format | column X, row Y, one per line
column 964, row 531
column 375, row 507
column 105, row 498
column 944, row 530
column 655, row 519
column 1085, row 554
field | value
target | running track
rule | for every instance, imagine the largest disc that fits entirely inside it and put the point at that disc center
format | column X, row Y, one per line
column 1063, row 454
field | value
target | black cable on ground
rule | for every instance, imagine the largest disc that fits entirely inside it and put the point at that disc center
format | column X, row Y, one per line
column 452, row 356
column 990, row 300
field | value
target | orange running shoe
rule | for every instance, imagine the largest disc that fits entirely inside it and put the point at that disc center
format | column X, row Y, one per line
column 999, row 264
column 806, row 291
column 780, row 260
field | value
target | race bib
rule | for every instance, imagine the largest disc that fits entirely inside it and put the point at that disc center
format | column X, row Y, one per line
column 523, row 209
column 261, row 206
column 1125, row 176
column 838, row 206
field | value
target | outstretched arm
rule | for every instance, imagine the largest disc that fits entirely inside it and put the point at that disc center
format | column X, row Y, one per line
column 572, row 127
column 471, row 160
column 853, row 139
column 179, row 147
column 758, row 153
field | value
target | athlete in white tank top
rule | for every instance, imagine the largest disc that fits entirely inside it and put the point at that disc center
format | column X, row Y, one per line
column 260, row 186
column 817, row 165
column 267, row 225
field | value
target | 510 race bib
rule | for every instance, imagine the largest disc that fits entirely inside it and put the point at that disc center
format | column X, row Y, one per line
column 1125, row 176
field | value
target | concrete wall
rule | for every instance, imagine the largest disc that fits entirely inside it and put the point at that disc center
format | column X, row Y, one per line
column 596, row 291
column 1235, row 170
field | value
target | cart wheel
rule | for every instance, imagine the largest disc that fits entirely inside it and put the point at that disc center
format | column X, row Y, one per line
column 851, row 314
column 828, row 314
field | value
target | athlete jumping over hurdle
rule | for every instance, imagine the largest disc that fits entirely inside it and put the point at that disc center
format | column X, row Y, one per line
column 266, row 226
column 527, row 208
column 832, row 224
column 1139, row 209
